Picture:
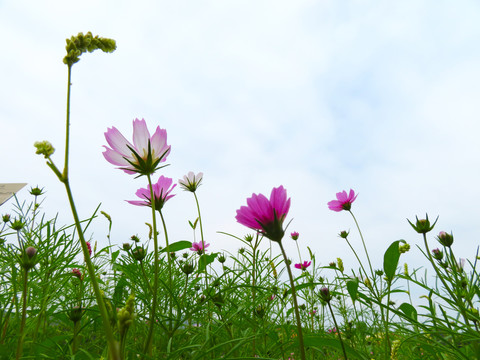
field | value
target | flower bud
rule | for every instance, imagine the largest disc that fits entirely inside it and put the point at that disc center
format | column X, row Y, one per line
column 77, row 273
column 437, row 254
column 135, row 238
column 6, row 218
column 294, row 235
column 423, row 226
column 29, row 258
column 76, row 314
column 36, row 191
column 325, row 294
column 222, row 259
column 188, row 268
column 445, row 239
column 17, row 225
column 127, row 246
column 139, row 253
column 343, row 234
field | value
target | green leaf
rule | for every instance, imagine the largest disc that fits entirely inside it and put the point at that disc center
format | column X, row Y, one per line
column 390, row 259
column 409, row 311
column 115, row 255
column 177, row 246
column 352, row 287
column 204, row 260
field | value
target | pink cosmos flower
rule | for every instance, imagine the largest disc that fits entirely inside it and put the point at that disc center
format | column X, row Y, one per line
column 143, row 156
column 303, row 266
column 294, row 235
column 265, row 215
column 161, row 191
column 198, row 247
column 343, row 202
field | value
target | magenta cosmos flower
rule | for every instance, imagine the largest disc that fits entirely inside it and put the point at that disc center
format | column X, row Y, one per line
column 303, row 266
column 265, row 215
column 161, row 193
column 198, row 247
column 143, row 156
column 343, row 202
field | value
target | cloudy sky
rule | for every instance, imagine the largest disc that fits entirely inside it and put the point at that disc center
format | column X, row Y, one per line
column 319, row 96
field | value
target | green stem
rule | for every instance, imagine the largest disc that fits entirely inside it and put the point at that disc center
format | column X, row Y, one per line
column 338, row 330
column 76, row 331
column 170, row 325
column 363, row 242
column 24, row 315
column 113, row 345
column 295, row 303
column 148, row 342
column 67, row 131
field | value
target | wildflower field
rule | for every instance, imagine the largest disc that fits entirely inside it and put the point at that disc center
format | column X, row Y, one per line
column 64, row 297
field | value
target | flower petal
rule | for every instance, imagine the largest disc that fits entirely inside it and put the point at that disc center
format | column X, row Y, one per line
column 141, row 136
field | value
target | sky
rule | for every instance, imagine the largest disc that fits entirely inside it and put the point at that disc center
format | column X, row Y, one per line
column 317, row 96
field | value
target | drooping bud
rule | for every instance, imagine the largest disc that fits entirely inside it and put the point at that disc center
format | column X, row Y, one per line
column 402, row 249
column 44, row 148
column 340, row 265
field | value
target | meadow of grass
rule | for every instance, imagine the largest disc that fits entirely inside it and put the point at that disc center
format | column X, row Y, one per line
column 64, row 297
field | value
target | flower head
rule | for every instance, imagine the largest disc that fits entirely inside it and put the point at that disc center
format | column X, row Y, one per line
column 265, row 215
column 44, row 148
column 161, row 192
column 303, row 266
column 294, row 235
column 191, row 182
column 343, row 202
column 198, row 247
column 143, row 156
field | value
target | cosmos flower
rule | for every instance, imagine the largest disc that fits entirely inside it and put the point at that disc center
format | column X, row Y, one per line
column 143, row 156
column 264, row 215
column 161, row 192
column 303, row 266
column 343, row 202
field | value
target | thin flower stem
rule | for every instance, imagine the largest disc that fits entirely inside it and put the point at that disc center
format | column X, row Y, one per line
column 113, row 345
column 170, row 325
column 148, row 341
column 440, row 275
column 67, row 131
column 203, row 247
column 295, row 304
column 24, row 315
column 363, row 242
column 338, row 330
